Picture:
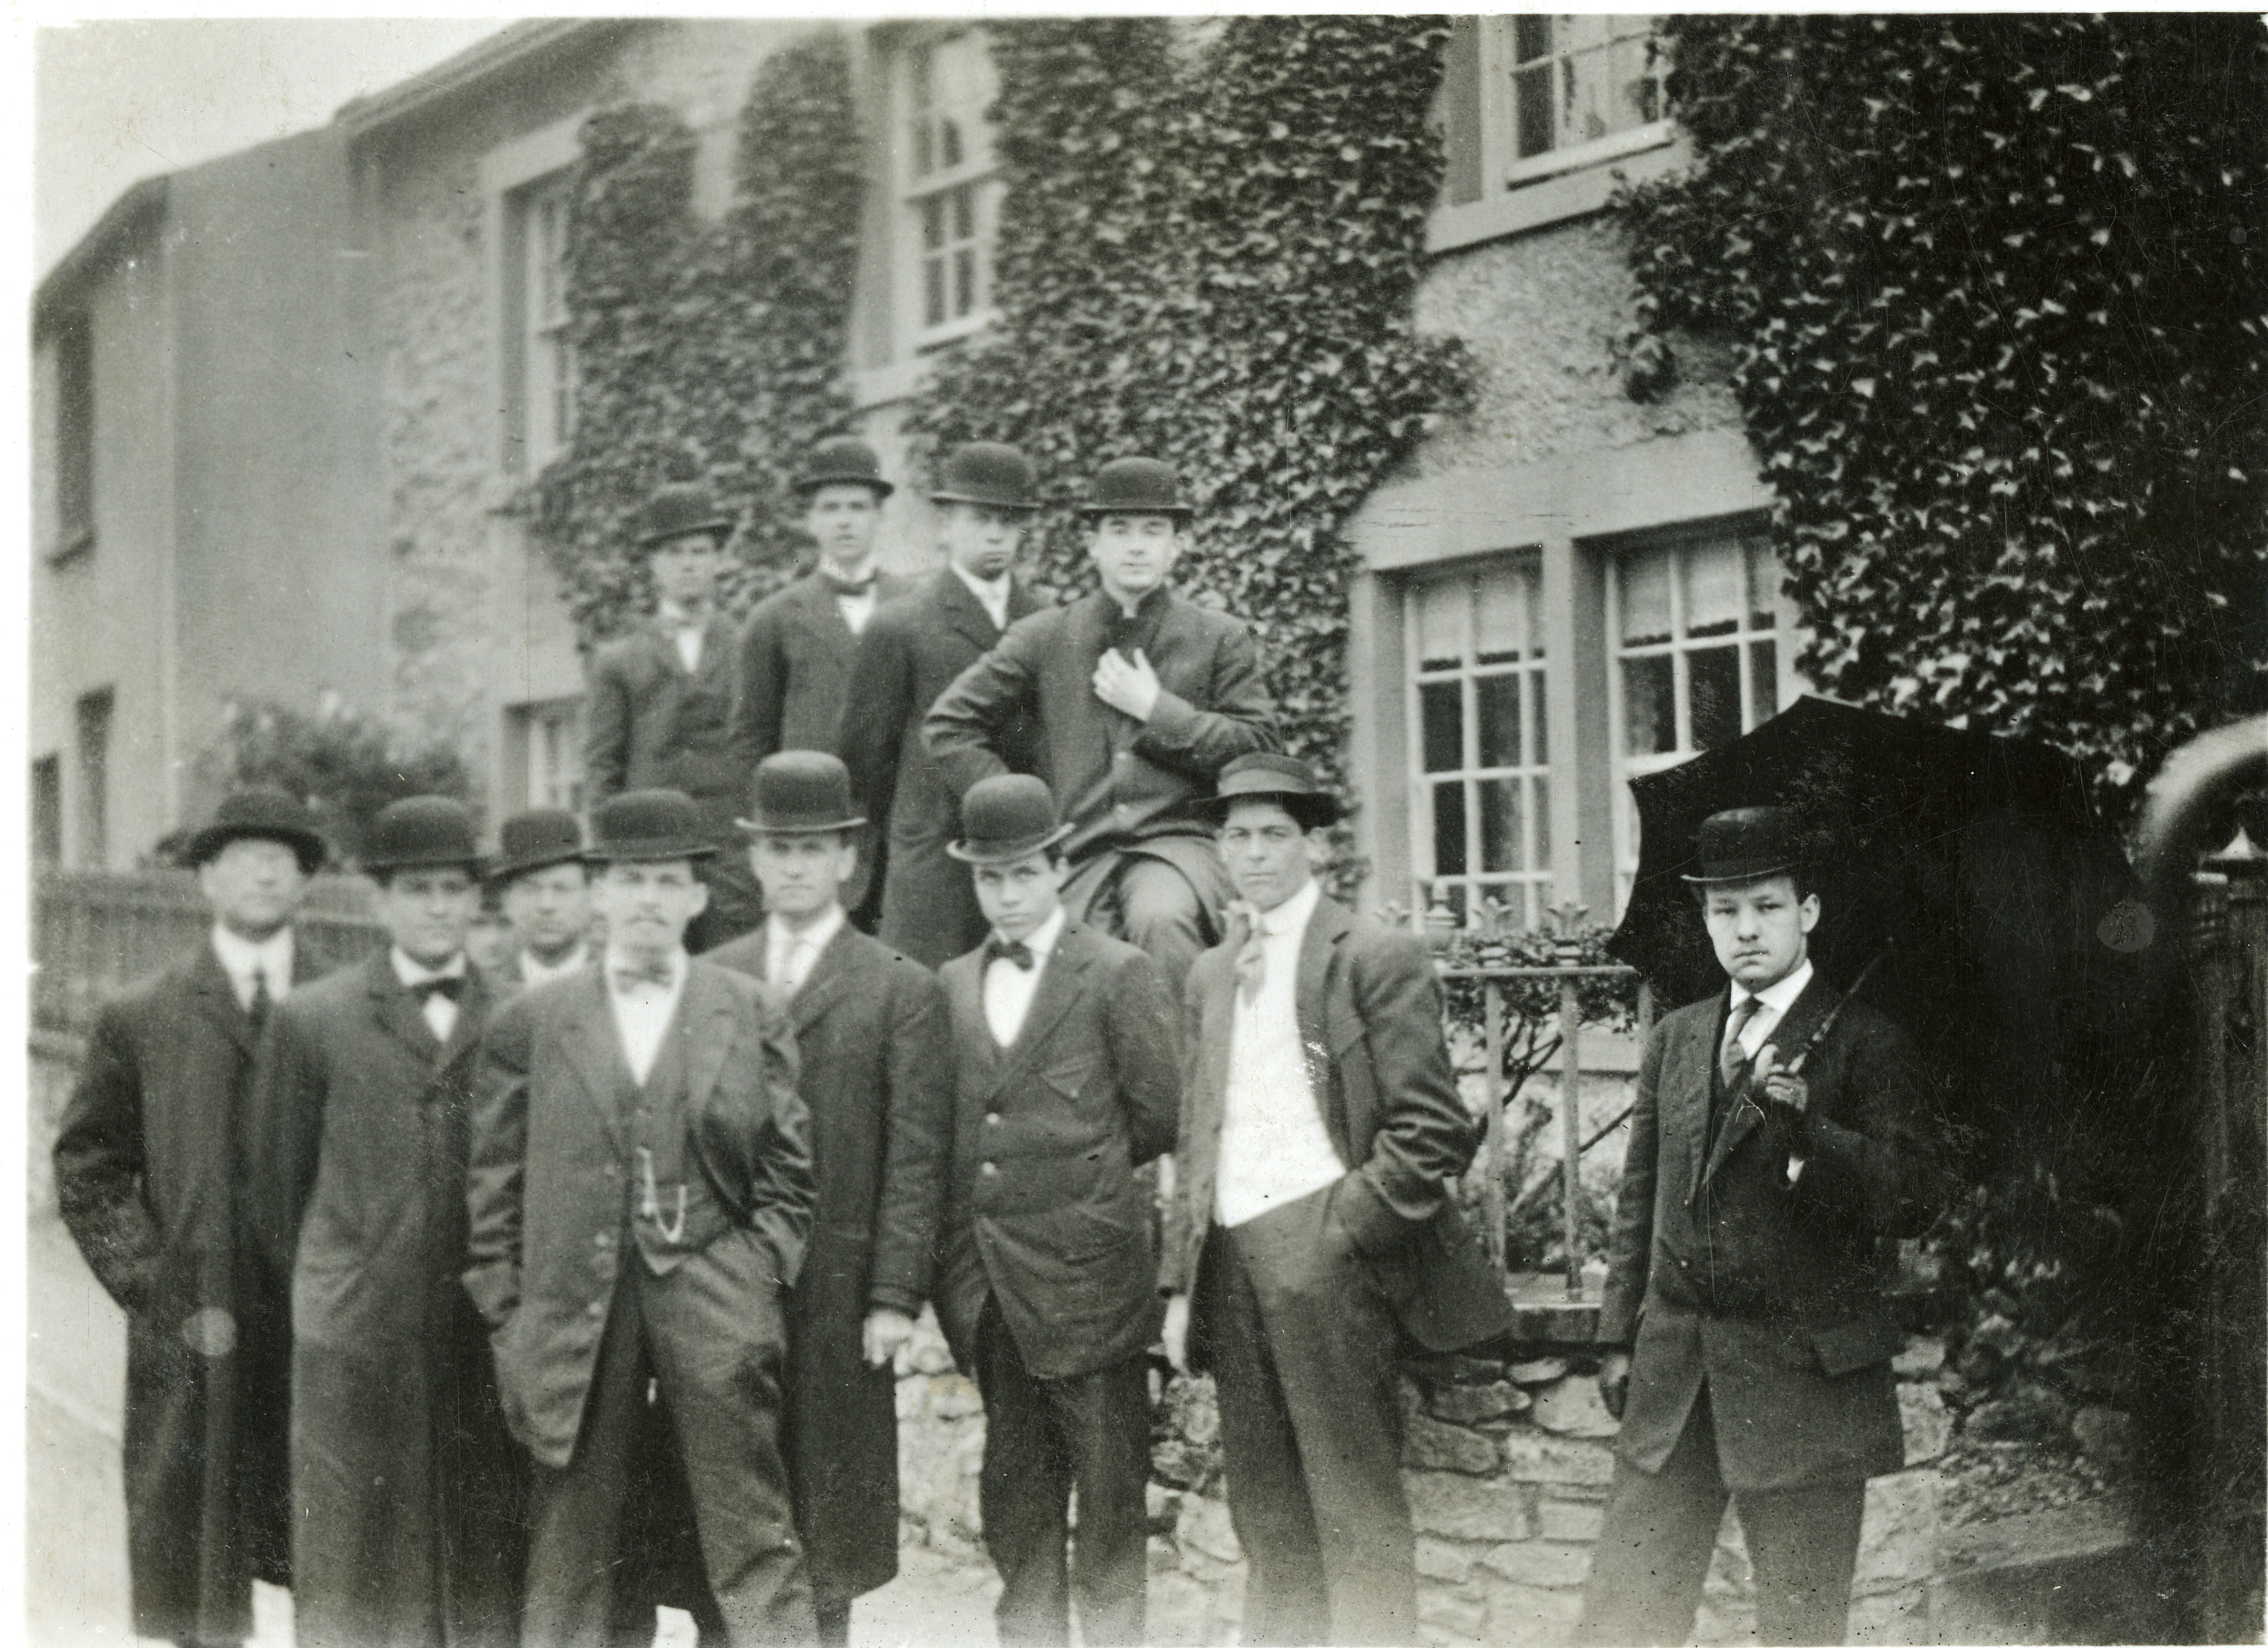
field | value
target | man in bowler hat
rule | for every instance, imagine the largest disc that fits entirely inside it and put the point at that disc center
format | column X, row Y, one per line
column 544, row 887
column 658, row 714
column 1313, row 1220
column 872, row 1039
column 1778, row 1135
column 1141, row 698
column 640, row 1199
column 916, row 648
column 408, row 1513
column 148, row 1178
column 1047, row 1286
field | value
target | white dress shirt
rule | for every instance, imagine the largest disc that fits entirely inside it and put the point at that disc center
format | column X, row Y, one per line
column 991, row 593
column 789, row 956
column 643, row 1012
column 247, row 963
column 1274, row 1148
column 1009, row 989
column 856, row 609
column 1773, row 1003
column 533, row 971
column 441, row 1011
column 687, row 629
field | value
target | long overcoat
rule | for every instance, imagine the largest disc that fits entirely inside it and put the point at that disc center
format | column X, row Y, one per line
column 1721, row 1268
column 1046, row 1213
column 408, row 1495
column 873, row 1040
column 149, row 1170
column 1369, row 1011
column 913, row 648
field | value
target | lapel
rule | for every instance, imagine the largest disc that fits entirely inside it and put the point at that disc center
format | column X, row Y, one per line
column 705, row 1023
column 1794, row 1028
column 820, row 613
column 964, row 988
column 964, row 615
column 1327, row 929
column 664, row 644
column 719, row 664
column 827, row 979
column 207, row 984
column 397, row 1010
column 1218, row 1027
column 1059, row 988
column 595, row 1051
column 472, row 1013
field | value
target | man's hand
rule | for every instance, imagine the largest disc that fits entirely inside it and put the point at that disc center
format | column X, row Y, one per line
column 1782, row 1087
column 887, row 1332
column 1177, row 1331
column 1129, row 687
column 1614, row 1381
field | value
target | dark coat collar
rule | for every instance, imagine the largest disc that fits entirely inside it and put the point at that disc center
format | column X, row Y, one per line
column 1789, row 1036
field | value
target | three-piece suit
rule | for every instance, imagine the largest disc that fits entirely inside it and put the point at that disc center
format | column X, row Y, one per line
column 407, row 1493
column 1141, row 851
column 651, row 723
column 871, row 1038
column 1753, row 1302
column 149, row 1166
column 1301, row 1310
column 913, row 648
column 625, row 1231
column 1046, row 1282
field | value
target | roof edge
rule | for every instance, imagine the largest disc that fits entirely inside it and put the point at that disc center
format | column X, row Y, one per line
column 505, row 50
column 143, row 201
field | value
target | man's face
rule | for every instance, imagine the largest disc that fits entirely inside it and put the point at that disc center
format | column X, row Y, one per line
column 685, row 568
column 489, row 941
column 549, row 909
column 428, row 912
column 802, row 875
column 253, row 886
column 1018, row 898
column 1268, row 854
column 980, row 540
column 1134, row 553
column 842, row 518
column 647, row 906
column 1760, row 928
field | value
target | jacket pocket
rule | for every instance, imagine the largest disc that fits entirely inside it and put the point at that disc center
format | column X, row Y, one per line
column 1849, row 1346
column 1070, row 1079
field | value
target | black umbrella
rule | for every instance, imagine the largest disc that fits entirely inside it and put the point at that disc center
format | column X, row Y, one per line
column 1974, row 866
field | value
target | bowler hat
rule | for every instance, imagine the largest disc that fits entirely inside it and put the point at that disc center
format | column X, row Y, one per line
column 1004, row 818
column 428, row 832
column 1748, row 844
column 986, row 472
column 265, row 813
column 1281, row 778
column 536, row 841
column 801, row 793
column 645, row 827
column 845, row 460
column 681, row 510
column 1135, row 486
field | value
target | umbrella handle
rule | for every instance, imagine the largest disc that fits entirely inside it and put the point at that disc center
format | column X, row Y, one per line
column 1795, row 1064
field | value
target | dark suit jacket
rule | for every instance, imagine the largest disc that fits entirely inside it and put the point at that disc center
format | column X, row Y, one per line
column 913, row 649
column 1369, row 1021
column 149, row 1173
column 651, row 725
column 1719, row 1270
column 553, row 1161
column 795, row 657
column 872, row 1037
column 1045, row 1212
column 1115, row 779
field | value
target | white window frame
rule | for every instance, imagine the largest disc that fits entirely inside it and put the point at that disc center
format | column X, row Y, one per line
column 516, row 178
column 976, row 172
column 547, row 353
column 545, row 738
column 1500, row 64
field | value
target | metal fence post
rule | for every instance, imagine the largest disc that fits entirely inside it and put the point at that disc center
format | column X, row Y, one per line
column 1570, row 916
column 1493, row 1141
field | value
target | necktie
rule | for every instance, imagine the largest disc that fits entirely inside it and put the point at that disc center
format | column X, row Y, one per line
column 845, row 587
column 1252, row 961
column 426, row 990
column 261, row 1001
column 1732, row 1058
column 629, row 976
column 1015, row 951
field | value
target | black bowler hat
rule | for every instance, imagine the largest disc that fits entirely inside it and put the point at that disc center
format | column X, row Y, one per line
column 986, row 472
column 536, row 841
column 1005, row 818
column 261, row 813
column 801, row 793
column 1135, row 486
column 646, row 827
column 845, row 460
column 1749, row 844
column 681, row 510
column 1285, row 779
column 423, row 832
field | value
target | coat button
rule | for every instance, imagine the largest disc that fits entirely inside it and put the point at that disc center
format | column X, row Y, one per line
column 596, row 1309
column 604, row 1239
column 993, row 1118
column 989, row 1168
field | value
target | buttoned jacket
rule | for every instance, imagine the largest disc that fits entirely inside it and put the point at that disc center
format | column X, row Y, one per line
column 652, row 724
column 794, row 672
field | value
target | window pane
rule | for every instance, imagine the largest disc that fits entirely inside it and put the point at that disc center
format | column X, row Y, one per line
column 1646, row 598
column 934, row 291
column 964, row 216
column 1442, row 713
column 1712, row 687
column 1502, row 847
column 1449, row 829
column 949, row 131
column 1538, row 736
column 1763, row 681
column 1498, row 707
column 1452, row 895
column 1764, row 583
column 1634, row 83
column 1440, row 623
column 1584, row 116
column 1712, row 589
column 1531, row 38
column 932, row 215
column 964, row 281
column 1531, row 97
column 1501, row 621
column 1539, row 792
column 1649, row 706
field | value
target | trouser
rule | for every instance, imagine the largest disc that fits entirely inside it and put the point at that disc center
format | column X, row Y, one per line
column 1302, row 1348
column 711, row 1334
column 1044, row 1438
column 1150, row 904
column 1660, row 1529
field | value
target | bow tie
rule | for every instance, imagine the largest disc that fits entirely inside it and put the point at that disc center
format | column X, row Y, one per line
column 1015, row 951
column 629, row 976
column 426, row 990
column 845, row 587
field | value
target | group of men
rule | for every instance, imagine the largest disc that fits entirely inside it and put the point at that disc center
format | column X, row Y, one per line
column 582, row 1280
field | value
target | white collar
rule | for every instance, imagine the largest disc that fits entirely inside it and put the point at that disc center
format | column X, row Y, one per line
column 819, row 935
column 673, row 616
column 535, row 970
column 240, row 957
column 991, row 591
column 1778, row 998
column 1041, row 943
column 679, row 964
column 832, row 569
column 1292, row 916
column 410, row 972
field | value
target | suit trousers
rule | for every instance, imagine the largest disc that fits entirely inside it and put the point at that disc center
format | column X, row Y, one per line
column 1150, row 904
column 726, row 1405
column 1043, row 1438
column 1303, row 1349
column 1660, row 1530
